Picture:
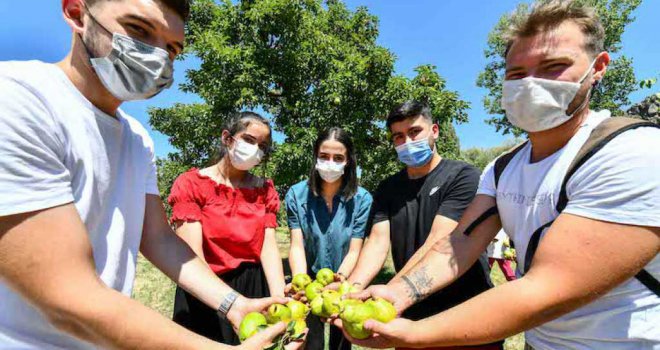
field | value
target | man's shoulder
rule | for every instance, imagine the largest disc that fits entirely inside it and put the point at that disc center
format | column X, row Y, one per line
column 35, row 76
column 460, row 166
column 397, row 177
column 455, row 170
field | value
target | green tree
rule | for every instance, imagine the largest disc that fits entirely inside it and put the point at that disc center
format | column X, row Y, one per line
column 480, row 157
column 612, row 93
column 310, row 64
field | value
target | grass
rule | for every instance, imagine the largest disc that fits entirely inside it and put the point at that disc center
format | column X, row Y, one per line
column 155, row 290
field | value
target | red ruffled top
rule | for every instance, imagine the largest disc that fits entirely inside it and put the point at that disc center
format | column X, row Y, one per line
column 233, row 220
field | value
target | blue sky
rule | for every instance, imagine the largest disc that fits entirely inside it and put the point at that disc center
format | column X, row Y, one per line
column 450, row 34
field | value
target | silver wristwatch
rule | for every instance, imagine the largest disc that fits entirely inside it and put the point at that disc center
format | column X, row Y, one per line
column 226, row 304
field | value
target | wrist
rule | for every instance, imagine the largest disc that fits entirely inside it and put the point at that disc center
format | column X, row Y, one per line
column 235, row 311
column 403, row 293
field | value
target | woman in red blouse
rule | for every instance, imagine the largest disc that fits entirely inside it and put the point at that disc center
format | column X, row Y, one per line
column 228, row 217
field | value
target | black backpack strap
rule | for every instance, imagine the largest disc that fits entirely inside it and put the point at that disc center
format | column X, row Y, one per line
column 600, row 136
column 649, row 281
column 533, row 245
column 488, row 213
column 504, row 160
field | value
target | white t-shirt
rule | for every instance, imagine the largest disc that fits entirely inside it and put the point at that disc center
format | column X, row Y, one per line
column 620, row 183
column 57, row 148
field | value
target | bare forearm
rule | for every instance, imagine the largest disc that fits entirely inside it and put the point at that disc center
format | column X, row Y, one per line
column 442, row 228
column 348, row 264
column 169, row 253
column 111, row 320
column 456, row 326
column 272, row 264
column 449, row 258
column 297, row 260
column 371, row 260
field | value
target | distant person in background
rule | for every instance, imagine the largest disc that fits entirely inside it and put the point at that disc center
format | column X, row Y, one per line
column 497, row 251
column 327, row 216
column 228, row 217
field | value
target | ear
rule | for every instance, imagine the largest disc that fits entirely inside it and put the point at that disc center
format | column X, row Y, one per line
column 74, row 13
column 226, row 138
column 600, row 66
column 435, row 131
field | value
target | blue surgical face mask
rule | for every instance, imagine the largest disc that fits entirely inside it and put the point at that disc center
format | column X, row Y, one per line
column 415, row 153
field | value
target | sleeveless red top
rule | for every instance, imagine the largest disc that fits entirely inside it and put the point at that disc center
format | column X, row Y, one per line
column 233, row 220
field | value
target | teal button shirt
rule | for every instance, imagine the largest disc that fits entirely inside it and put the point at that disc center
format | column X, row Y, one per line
column 327, row 236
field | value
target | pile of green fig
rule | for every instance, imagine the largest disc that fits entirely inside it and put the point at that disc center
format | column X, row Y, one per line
column 352, row 312
column 294, row 313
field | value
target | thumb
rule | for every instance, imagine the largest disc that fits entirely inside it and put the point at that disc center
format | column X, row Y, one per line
column 265, row 337
column 266, row 302
column 376, row 327
column 361, row 295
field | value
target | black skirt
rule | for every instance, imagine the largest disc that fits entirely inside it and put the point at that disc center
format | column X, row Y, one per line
column 248, row 279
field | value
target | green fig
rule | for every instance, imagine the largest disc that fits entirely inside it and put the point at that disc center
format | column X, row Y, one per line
column 278, row 313
column 353, row 317
column 300, row 281
column 344, row 302
column 325, row 276
column 298, row 309
column 299, row 327
column 251, row 324
column 313, row 289
column 331, row 302
column 317, row 307
column 346, row 287
column 384, row 311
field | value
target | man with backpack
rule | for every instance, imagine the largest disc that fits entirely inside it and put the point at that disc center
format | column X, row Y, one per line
column 580, row 198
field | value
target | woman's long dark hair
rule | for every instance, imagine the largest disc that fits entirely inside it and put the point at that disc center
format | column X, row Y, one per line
column 349, row 179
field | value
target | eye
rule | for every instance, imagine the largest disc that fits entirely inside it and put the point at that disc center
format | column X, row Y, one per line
column 136, row 29
column 414, row 132
column 339, row 159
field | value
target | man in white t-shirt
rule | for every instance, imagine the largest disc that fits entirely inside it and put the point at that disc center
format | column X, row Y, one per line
column 581, row 290
column 79, row 193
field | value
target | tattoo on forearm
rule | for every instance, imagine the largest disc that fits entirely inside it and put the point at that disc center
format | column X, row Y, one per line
column 413, row 293
column 420, row 282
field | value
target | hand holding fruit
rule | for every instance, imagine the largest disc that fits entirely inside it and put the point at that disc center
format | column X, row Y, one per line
column 243, row 306
column 386, row 292
column 293, row 314
column 394, row 334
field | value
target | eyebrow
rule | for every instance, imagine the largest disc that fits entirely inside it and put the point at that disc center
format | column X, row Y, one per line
column 146, row 22
column 142, row 20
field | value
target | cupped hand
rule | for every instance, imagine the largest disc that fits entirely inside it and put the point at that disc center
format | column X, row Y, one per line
column 243, row 306
column 394, row 334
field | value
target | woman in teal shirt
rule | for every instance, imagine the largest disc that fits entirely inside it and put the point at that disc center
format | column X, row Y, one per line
column 327, row 216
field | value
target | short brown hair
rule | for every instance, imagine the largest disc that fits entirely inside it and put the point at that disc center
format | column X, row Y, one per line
column 549, row 14
column 181, row 7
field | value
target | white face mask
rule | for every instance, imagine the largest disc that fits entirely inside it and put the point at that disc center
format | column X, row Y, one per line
column 133, row 70
column 245, row 156
column 535, row 104
column 330, row 171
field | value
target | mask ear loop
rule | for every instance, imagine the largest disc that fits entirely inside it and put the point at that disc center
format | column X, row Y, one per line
column 588, row 95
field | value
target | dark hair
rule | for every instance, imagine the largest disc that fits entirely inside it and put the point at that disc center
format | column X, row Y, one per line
column 181, row 7
column 349, row 179
column 409, row 109
column 239, row 122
